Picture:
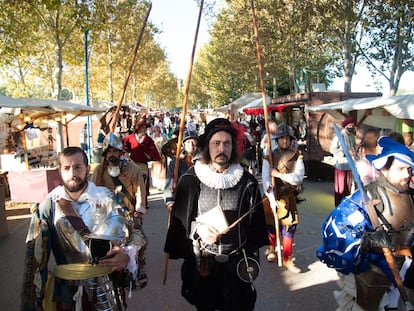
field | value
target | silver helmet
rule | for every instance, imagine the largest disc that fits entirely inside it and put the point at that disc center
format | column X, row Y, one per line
column 284, row 130
column 111, row 140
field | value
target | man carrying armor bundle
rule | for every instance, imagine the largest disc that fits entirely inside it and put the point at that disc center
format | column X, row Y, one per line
column 217, row 225
column 371, row 260
column 85, row 228
column 289, row 171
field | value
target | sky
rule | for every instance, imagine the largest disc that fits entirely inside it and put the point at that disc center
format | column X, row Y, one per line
column 177, row 19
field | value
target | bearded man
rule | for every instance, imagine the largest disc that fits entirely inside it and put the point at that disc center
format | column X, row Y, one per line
column 217, row 225
column 356, row 249
column 85, row 229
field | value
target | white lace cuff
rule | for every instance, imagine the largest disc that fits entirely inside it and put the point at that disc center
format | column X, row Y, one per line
column 132, row 266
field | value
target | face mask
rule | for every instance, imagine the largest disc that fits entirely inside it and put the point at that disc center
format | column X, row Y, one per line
column 114, row 171
column 351, row 130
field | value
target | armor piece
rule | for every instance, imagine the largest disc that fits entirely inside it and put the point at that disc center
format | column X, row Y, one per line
column 111, row 140
column 398, row 210
column 284, row 130
column 105, row 293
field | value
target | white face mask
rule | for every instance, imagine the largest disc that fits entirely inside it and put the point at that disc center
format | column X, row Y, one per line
column 114, row 171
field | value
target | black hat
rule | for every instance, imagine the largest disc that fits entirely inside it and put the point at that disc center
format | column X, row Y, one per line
column 216, row 125
column 170, row 145
column 190, row 137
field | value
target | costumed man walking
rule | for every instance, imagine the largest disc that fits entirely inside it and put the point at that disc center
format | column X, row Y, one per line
column 86, row 230
column 217, row 225
column 141, row 149
column 355, row 249
column 289, row 171
column 343, row 174
column 124, row 178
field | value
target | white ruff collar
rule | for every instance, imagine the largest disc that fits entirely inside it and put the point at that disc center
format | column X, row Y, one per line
column 228, row 179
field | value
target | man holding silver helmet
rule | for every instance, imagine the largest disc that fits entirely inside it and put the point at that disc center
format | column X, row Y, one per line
column 86, row 230
column 217, row 225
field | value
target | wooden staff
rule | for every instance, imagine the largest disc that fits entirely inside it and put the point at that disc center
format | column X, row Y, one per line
column 266, row 118
column 131, row 66
column 182, row 123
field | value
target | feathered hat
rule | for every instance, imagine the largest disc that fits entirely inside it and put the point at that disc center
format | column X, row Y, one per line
column 391, row 148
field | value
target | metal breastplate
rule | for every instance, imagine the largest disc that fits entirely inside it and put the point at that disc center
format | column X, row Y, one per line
column 398, row 210
column 96, row 219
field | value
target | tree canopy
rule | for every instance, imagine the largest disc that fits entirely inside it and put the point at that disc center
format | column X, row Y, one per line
column 301, row 43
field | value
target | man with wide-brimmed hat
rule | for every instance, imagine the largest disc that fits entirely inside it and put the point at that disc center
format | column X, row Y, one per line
column 355, row 248
column 217, row 225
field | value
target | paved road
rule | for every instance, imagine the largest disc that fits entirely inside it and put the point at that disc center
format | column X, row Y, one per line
column 278, row 289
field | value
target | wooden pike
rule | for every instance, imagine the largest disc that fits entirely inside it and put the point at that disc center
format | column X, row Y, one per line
column 131, row 66
column 266, row 118
column 182, row 124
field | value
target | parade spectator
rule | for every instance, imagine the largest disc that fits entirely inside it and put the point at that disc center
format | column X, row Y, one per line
column 356, row 249
column 408, row 140
column 87, row 232
column 217, row 184
column 166, row 123
column 343, row 175
column 159, row 168
column 191, row 126
column 368, row 146
column 84, row 138
column 289, row 170
column 249, row 147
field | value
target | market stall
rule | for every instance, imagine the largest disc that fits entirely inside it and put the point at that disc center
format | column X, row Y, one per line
column 30, row 146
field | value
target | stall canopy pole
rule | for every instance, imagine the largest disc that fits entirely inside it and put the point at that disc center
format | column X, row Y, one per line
column 266, row 118
column 131, row 66
column 182, row 124
column 23, row 134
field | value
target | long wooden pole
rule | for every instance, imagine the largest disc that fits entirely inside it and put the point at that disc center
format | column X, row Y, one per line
column 266, row 118
column 182, row 124
column 131, row 66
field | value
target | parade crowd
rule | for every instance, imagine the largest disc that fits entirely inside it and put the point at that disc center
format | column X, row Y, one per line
column 220, row 216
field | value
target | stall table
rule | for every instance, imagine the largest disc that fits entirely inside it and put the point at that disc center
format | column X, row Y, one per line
column 32, row 186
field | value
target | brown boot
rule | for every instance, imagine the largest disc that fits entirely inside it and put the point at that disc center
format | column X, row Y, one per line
column 289, row 264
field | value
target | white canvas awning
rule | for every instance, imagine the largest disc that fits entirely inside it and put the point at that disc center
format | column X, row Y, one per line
column 381, row 112
column 36, row 108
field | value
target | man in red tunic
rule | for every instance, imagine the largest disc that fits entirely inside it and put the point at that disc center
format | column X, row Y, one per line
column 141, row 149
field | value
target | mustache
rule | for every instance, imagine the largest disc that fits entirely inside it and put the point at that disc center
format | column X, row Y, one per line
column 114, row 160
column 221, row 155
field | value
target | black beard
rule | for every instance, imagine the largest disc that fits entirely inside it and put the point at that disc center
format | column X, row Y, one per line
column 114, row 160
column 77, row 186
